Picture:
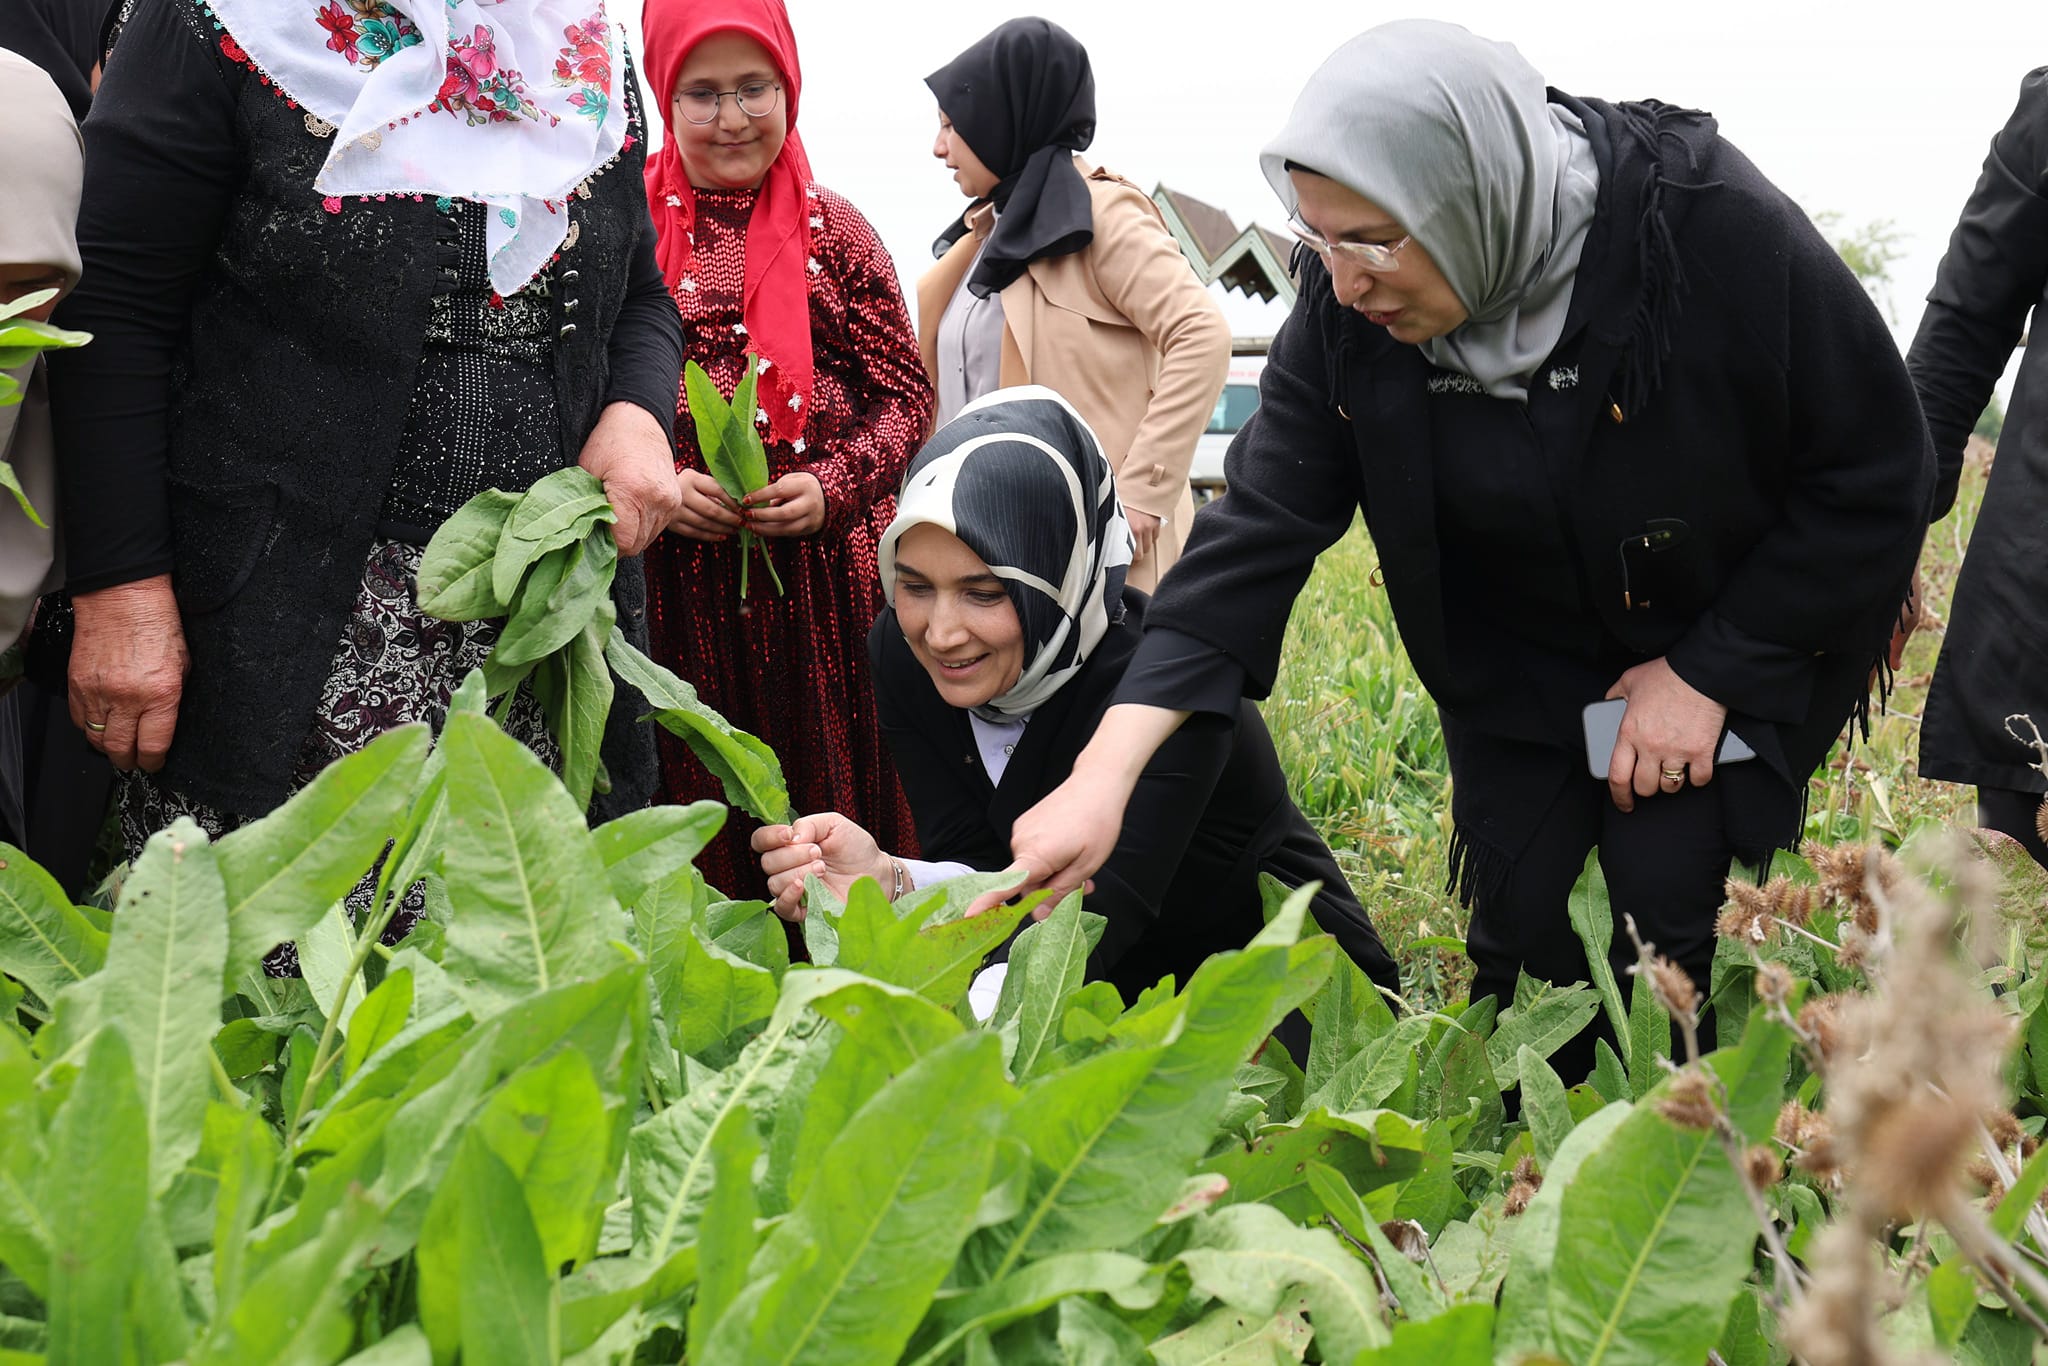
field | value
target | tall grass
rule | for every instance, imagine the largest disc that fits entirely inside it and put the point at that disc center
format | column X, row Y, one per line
column 1364, row 754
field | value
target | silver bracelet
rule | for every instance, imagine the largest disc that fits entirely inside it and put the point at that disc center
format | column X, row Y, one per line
column 902, row 882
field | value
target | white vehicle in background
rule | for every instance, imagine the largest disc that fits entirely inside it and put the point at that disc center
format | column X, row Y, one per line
column 1234, row 406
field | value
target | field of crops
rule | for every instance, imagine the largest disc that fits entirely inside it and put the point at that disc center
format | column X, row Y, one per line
column 589, row 1111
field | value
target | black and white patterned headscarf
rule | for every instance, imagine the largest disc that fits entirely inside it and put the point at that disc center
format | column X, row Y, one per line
column 1019, row 477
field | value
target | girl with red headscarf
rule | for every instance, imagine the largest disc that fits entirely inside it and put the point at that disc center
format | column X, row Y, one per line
column 759, row 257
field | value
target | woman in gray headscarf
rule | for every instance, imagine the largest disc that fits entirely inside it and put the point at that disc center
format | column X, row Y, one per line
column 1622, row 426
column 42, row 165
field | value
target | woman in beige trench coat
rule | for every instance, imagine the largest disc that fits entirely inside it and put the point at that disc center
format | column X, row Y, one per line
column 1065, row 275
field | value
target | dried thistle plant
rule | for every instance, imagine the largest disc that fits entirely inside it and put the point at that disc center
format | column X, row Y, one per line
column 1523, row 1183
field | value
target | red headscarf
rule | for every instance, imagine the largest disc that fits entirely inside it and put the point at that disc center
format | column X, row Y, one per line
column 776, row 305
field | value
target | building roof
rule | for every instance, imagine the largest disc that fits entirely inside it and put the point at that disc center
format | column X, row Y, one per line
column 1252, row 261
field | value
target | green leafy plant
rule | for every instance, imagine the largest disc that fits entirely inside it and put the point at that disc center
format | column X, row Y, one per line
column 22, row 339
column 544, row 561
column 589, row 1111
column 727, row 435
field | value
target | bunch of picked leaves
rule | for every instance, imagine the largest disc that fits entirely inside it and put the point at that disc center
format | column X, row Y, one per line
column 732, row 448
column 21, row 340
column 544, row 561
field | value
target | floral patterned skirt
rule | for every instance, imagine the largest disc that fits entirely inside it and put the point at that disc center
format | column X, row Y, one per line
column 395, row 665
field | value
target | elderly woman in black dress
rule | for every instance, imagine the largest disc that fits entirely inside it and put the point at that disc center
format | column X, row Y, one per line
column 1621, row 426
column 346, row 265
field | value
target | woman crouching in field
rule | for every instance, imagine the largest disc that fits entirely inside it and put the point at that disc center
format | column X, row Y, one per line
column 1621, row 425
column 1008, row 630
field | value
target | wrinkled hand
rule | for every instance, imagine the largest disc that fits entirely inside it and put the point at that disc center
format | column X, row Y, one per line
column 826, row 846
column 128, row 665
column 1144, row 533
column 631, row 453
column 793, row 505
column 1911, row 613
column 1669, row 724
column 705, row 514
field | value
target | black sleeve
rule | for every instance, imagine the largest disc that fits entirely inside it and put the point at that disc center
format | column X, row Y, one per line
column 1182, row 673
column 1827, row 576
column 646, row 346
column 950, row 809
column 1163, row 814
column 161, row 168
column 1294, row 489
column 1995, row 271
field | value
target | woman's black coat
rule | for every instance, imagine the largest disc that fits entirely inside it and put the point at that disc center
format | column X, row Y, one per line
column 1723, row 379
column 236, row 420
column 1210, row 813
column 1994, row 658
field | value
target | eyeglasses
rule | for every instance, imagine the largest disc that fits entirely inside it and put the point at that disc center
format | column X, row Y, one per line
column 756, row 100
column 1373, row 256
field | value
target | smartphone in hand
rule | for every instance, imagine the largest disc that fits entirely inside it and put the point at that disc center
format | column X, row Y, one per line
column 1603, row 727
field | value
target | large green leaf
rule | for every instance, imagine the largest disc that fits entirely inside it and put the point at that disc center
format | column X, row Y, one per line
column 1545, row 1106
column 1415, row 1292
column 560, row 601
column 25, row 1234
column 161, row 987
column 1048, row 964
column 1114, row 1137
column 1226, row 1337
column 484, row 1288
column 1369, row 1077
column 283, row 871
column 454, row 580
column 604, row 1292
column 848, row 1275
column 936, row 961
column 1543, row 1018
column 556, row 512
column 326, row 951
column 747, row 768
column 379, row 1019
column 884, row 1030
column 533, row 907
column 1371, row 1148
column 1252, row 1257
column 574, row 689
column 716, row 993
column 95, row 1197
column 1593, row 918
column 726, row 1240
column 1649, row 1036
column 550, row 1127
column 670, row 1175
column 644, row 847
column 1349, row 1014
column 1652, row 1247
column 1460, row 1336
column 1524, row 1326
column 43, row 940
column 297, row 1312
column 241, row 1149
column 957, row 1314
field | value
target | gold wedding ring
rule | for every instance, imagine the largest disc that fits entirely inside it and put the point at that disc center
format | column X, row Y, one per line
column 1674, row 775
column 96, row 727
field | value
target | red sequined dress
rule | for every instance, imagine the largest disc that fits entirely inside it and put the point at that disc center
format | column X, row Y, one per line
column 794, row 669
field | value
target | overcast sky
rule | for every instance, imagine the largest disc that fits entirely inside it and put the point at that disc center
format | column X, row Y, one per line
column 1875, row 111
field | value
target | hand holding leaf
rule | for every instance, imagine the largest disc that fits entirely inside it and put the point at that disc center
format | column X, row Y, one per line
column 732, row 447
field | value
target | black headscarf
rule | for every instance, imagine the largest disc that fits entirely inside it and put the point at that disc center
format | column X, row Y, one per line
column 60, row 36
column 1019, row 477
column 1024, row 99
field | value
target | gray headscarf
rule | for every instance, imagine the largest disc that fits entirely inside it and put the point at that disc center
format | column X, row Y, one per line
column 1454, row 135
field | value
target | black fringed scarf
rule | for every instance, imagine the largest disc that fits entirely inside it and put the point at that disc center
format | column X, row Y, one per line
column 1023, row 98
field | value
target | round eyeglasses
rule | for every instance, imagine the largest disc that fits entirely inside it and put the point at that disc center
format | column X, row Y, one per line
column 1379, row 258
column 756, row 100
